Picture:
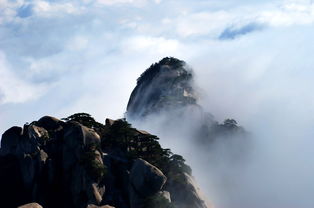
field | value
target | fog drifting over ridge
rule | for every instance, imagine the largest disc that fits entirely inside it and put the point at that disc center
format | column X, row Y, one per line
column 270, row 96
column 89, row 57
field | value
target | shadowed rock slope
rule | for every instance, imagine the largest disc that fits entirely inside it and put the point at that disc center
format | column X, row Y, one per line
column 78, row 163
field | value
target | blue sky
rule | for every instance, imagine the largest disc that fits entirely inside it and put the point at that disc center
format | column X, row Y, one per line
column 252, row 61
column 60, row 57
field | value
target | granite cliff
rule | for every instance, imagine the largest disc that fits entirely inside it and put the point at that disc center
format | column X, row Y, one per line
column 80, row 163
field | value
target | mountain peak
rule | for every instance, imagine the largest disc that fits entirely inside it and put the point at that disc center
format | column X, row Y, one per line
column 163, row 85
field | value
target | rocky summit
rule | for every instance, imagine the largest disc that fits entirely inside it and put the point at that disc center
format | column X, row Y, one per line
column 164, row 85
column 166, row 90
column 78, row 162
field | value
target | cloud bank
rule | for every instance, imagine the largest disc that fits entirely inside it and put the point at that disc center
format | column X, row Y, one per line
column 61, row 57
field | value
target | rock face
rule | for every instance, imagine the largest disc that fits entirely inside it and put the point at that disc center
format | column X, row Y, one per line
column 53, row 163
column 165, row 85
column 67, row 165
column 189, row 195
column 94, row 206
column 31, row 205
column 145, row 181
column 10, row 140
column 145, row 178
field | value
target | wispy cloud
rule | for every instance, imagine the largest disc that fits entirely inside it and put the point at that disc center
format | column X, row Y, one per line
column 13, row 89
column 234, row 32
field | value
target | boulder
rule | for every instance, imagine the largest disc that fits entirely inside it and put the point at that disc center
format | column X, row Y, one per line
column 10, row 140
column 187, row 194
column 145, row 178
column 50, row 123
column 79, row 157
column 95, row 206
column 31, row 205
column 145, row 181
column 76, row 138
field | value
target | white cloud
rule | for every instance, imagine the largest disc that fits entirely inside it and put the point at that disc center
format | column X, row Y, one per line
column 287, row 14
column 157, row 45
column 202, row 23
column 115, row 2
column 48, row 9
column 77, row 43
column 93, row 52
column 12, row 88
column 8, row 10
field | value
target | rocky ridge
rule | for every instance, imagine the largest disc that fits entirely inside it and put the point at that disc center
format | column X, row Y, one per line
column 80, row 163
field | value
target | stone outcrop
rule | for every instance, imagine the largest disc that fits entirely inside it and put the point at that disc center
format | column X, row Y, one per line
column 145, row 178
column 165, row 85
column 94, row 206
column 50, row 157
column 145, row 181
column 10, row 140
column 190, row 194
column 65, row 166
column 31, row 205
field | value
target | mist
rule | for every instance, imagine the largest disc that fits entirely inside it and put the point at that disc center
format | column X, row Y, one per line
column 63, row 57
column 268, row 91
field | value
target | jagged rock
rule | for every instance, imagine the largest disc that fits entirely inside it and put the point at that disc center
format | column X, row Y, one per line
column 10, row 140
column 31, row 205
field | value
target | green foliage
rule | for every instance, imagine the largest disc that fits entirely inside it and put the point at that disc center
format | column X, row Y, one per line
column 178, row 164
column 154, row 69
column 95, row 169
column 118, row 135
column 133, row 143
column 230, row 123
column 84, row 119
column 157, row 201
